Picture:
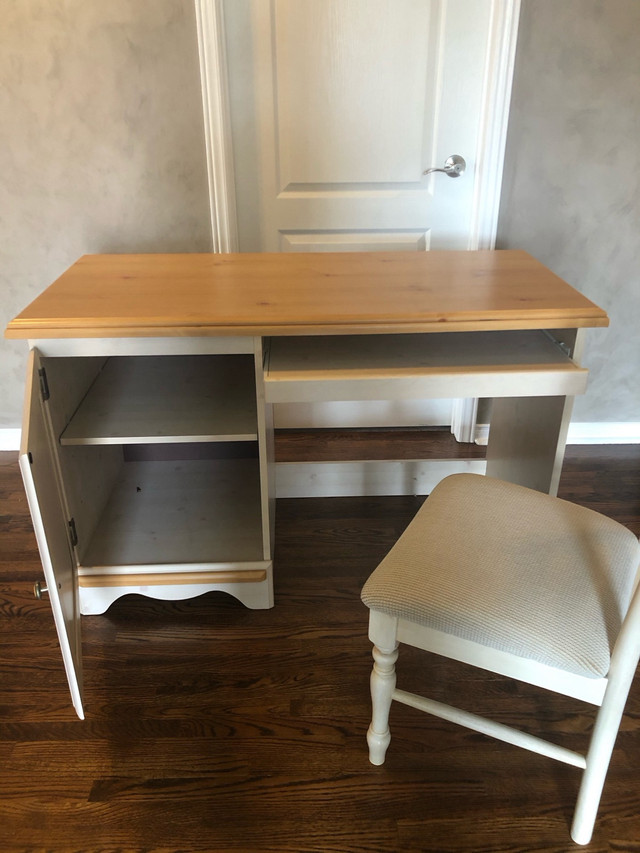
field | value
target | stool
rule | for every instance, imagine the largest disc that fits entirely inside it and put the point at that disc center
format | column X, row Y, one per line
column 519, row 583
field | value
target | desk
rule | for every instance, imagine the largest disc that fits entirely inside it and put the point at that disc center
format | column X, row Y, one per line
column 147, row 443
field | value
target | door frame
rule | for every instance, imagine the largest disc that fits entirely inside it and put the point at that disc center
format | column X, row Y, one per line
column 489, row 157
column 217, row 124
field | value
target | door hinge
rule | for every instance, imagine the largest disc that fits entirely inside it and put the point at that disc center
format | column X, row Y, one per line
column 73, row 533
column 44, row 385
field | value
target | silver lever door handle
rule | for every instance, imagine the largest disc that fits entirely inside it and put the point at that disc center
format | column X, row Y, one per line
column 454, row 166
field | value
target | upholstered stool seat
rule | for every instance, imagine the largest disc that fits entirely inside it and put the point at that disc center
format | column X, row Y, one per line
column 517, row 582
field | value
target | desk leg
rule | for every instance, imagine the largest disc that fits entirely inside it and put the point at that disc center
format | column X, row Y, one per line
column 527, row 439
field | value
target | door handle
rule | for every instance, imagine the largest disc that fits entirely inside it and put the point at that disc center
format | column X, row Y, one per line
column 454, row 166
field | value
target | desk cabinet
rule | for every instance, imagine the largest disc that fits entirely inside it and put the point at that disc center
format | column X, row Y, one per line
column 148, row 474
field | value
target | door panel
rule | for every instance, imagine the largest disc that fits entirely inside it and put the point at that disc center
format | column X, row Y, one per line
column 43, row 494
column 351, row 241
column 349, row 78
column 338, row 107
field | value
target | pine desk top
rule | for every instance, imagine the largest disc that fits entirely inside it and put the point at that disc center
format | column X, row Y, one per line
column 168, row 295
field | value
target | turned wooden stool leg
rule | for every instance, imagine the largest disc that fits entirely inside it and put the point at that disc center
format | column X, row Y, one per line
column 383, row 683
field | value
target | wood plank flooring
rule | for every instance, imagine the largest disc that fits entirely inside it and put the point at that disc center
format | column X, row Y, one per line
column 214, row 728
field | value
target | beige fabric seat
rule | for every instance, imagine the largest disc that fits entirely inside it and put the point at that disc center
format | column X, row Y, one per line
column 520, row 583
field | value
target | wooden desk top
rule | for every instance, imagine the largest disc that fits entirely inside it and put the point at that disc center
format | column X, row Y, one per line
column 293, row 294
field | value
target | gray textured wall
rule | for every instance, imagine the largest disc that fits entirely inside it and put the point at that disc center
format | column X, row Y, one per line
column 101, row 145
column 571, row 192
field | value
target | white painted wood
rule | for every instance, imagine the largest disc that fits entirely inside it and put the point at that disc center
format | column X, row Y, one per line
column 609, row 692
column 10, row 438
column 604, row 433
column 181, row 512
column 501, row 50
column 494, row 104
column 437, row 383
column 68, row 380
column 42, row 487
column 87, row 475
column 152, row 399
column 266, row 454
column 77, row 347
column 464, row 415
column 255, row 596
column 489, row 727
column 456, row 648
column 368, row 477
column 217, row 124
column 373, row 413
column 382, row 683
column 348, row 241
column 384, row 367
column 343, row 106
column 336, row 124
column 527, row 440
column 481, row 434
column 624, row 661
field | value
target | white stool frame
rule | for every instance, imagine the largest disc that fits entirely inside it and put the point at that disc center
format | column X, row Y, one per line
column 609, row 693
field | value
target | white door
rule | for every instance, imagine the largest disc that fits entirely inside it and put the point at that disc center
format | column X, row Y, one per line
column 45, row 503
column 337, row 109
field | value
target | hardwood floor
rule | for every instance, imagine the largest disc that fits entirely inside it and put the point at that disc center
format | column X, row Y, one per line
column 214, row 728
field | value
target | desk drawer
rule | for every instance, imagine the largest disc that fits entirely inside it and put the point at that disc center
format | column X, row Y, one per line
column 420, row 366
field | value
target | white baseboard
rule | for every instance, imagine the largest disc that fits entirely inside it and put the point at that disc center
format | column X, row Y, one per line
column 9, row 439
column 604, row 432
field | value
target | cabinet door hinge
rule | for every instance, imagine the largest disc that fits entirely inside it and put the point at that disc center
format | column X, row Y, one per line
column 44, row 385
column 73, row 533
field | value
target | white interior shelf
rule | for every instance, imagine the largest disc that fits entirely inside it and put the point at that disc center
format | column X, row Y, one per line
column 180, row 512
column 152, row 399
column 438, row 365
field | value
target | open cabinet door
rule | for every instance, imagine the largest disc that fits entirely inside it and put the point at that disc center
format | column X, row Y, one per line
column 38, row 467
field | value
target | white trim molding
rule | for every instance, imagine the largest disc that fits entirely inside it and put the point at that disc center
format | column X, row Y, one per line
column 217, row 124
column 599, row 432
column 464, row 414
column 10, row 439
column 605, row 432
column 492, row 139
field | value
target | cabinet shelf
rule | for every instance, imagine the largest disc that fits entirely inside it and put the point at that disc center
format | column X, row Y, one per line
column 153, row 399
column 205, row 512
